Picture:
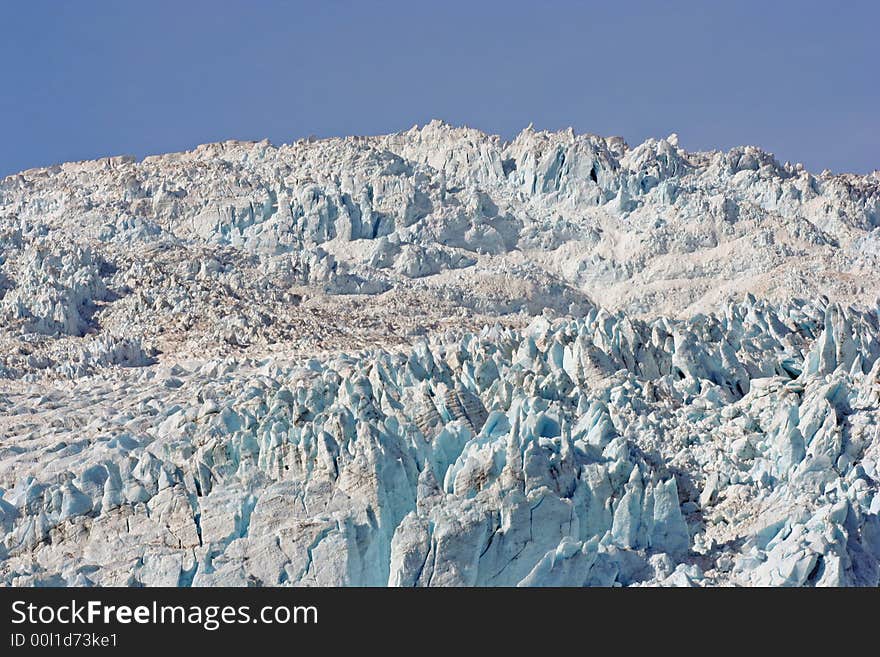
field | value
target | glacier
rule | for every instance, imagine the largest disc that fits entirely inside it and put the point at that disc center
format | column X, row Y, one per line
column 438, row 358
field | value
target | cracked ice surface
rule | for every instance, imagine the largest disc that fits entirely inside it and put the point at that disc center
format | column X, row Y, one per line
column 436, row 358
column 587, row 451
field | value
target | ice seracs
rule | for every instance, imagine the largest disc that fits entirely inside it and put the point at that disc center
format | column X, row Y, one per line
column 574, row 451
column 439, row 358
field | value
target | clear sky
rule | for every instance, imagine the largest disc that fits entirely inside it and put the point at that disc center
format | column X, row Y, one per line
column 84, row 79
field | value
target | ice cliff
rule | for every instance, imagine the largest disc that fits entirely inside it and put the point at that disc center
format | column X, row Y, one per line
column 437, row 358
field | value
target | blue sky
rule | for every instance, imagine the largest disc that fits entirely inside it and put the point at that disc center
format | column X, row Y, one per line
column 87, row 79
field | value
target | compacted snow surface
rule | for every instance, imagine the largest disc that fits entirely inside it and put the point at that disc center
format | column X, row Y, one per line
column 436, row 358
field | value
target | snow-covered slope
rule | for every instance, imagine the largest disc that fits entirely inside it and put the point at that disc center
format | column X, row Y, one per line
column 438, row 358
